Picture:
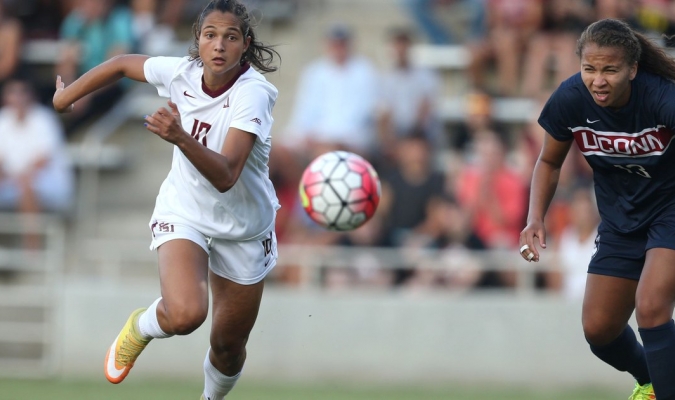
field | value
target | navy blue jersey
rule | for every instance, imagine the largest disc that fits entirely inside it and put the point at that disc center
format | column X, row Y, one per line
column 628, row 148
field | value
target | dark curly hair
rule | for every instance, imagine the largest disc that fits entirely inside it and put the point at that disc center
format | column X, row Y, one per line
column 257, row 54
column 637, row 48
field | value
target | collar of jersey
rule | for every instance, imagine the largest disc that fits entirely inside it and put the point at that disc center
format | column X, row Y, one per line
column 227, row 86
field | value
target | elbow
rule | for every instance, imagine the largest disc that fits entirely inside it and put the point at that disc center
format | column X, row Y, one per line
column 224, row 185
column 225, row 180
column 222, row 188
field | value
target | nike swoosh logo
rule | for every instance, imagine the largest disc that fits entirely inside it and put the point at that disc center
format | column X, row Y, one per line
column 113, row 372
column 185, row 93
column 591, row 122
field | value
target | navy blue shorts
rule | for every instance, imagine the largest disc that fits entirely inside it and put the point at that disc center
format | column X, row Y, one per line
column 623, row 255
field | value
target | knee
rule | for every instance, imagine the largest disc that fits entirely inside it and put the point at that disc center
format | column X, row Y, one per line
column 184, row 320
column 600, row 332
column 228, row 347
column 651, row 311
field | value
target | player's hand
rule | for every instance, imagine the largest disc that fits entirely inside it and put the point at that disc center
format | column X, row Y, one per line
column 57, row 100
column 174, row 111
column 528, row 250
column 166, row 124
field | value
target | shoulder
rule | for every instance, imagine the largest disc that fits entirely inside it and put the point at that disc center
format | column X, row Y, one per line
column 254, row 81
column 362, row 64
column 176, row 64
column 570, row 89
column 652, row 84
column 569, row 96
column 317, row 67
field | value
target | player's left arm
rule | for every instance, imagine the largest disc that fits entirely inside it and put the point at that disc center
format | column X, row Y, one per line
column 221, row 169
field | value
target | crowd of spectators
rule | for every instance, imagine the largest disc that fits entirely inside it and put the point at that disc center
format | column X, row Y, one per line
column 462, row 185
column 459, row 185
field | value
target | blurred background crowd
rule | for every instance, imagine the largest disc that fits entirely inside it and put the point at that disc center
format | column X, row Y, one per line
column 446, row 113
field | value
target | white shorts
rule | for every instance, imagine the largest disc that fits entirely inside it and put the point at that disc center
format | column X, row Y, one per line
column 245, row 262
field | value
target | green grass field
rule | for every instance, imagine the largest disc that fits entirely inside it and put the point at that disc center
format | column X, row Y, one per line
column 86, row 390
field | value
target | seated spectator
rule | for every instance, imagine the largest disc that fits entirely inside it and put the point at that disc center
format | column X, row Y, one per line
column 494, row 196
column 95, row 30
column 510, row 24
column 425, row 15
column 564, row 20
column 478, row 118
column 335, row 102
column 41, row 19
column 150, row 35
column 448, row 229
column 409, row 98
column 35, row 175
column 10, row 44
column 407, row 190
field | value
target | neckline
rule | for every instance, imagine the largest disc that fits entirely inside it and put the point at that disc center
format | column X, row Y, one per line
column 217, row 92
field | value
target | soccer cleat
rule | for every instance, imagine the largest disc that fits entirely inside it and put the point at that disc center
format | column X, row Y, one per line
column 644, row 392
column 125, row 349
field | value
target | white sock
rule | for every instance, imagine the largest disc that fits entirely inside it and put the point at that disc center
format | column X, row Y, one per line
column 216, row 385
column 148, row 324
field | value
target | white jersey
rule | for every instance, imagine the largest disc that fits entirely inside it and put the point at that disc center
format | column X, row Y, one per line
column 247, row 211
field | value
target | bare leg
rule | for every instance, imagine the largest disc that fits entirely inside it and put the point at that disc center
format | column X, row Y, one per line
column 183, row 274
column 235, row 309
column 656, row 291
column 536, row 57
column 507, row 52
column 608, row 305
column 29, row 206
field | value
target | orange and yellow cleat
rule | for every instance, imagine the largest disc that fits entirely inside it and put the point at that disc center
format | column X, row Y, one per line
column 125, row 349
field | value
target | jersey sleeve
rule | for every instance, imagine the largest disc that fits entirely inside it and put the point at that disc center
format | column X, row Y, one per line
column 555, row 117
column 666, row 105
column 253, row 110
column 160, row 71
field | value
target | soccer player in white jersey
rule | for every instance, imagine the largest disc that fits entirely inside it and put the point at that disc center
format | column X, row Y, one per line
column 213, row 221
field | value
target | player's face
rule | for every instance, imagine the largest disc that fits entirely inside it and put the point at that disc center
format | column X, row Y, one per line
column 607, row 75
column 221, row 45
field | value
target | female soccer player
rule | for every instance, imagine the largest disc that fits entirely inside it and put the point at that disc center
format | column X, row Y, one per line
column 620, row 110
column 214, row 217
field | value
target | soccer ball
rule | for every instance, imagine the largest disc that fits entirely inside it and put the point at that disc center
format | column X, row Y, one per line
column 340, row 190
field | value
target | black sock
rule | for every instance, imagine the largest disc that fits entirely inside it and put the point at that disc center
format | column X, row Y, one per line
column 660, row 350
column 625, row 353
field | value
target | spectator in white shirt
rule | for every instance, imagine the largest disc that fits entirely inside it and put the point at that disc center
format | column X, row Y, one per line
column 409, row 97
column 335, row 101
column 35, row 174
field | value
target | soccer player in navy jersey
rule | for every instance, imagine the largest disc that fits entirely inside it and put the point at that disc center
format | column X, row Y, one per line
column 620, row 110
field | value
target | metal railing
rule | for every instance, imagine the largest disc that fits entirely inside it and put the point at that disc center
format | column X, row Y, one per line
column 134, row 104
column 34, row 290
column 118, row 259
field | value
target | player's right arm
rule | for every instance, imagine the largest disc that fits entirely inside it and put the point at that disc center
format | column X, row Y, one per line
column 544, row 183
column 118, row 67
